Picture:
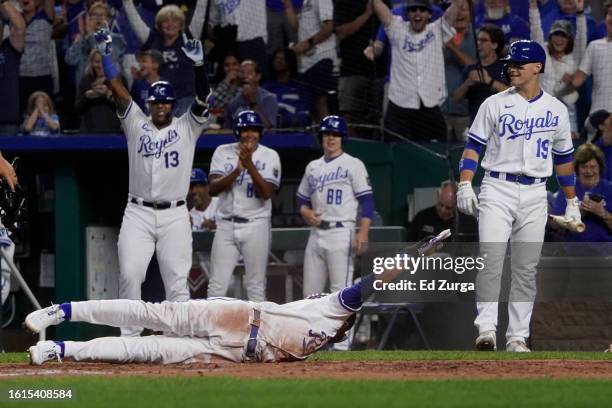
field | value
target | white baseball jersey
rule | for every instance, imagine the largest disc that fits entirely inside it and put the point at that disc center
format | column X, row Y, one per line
column 242, row 199
column 333, row 186
column 160, row 161
column 312, row 14
column 198, row 217
column 597, row 62
column 249, row 16
column 521, row 135
column 417, row 63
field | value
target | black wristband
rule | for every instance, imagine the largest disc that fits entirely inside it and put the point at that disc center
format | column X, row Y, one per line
column 579, row 12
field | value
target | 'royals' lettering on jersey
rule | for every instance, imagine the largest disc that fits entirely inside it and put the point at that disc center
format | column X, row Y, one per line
column 521, row 136
column 332, row 187
column 243, row 200
column 160, row 160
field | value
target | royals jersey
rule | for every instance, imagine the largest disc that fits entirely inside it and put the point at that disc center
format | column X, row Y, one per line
column 198, row 217
column 160, row 160
column 333, row 186
column 521, row 135
column 243, row 200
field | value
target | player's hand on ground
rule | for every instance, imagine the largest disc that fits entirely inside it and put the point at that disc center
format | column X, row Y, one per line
column 104, row 41
column 7, row 172
column 593, row 207
column 310, row 217
column 572, row 209
column 193, row 50
column 360, row 243
column 467, row 202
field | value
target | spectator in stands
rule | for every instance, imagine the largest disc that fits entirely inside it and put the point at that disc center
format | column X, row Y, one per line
column 150, row 63
column 94, row 100
column 98, row 16
column 601, row 124
column 597, row 61
column 37, row 60
column 239, row 25
column 417, row 86
column 481, row 82
column 594, row 193
column 11, row 49
column 293, row 103
column 458, row 53
column 360, row 87
column 498, row 12
column 316, row 49
column 563, row 54
column 441, row 216
column 568, row 10
column 280, row 34
column 41, row 119
column 228, row 88
column 167, row 37
column 252, row 97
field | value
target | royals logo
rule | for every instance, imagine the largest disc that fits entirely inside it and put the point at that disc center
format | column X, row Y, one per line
column 149, row 147
column 318, row 183
column 512, row 127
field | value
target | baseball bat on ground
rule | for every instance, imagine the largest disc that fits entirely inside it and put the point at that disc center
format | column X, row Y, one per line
column 569, row 224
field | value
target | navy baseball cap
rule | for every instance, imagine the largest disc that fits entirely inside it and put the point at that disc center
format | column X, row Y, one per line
column 419, row 3
column 198, row 177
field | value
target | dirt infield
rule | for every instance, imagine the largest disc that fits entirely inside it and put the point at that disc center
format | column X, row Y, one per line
column 401, row 370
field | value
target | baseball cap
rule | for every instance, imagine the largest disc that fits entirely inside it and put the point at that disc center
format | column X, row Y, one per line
column 561, row 26
column 198, row 177
column 418, row 3
column 154, row 54
column 592, row 123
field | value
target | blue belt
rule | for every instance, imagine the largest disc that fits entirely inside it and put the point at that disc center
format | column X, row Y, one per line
column 325, row 225
column 238, row 220
column 252, row 343
column 517, row 178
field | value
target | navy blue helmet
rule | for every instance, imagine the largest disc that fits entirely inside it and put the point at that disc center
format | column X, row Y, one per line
column 333, row 124
column 248, row 119
column 161, row 91
column 524, row 51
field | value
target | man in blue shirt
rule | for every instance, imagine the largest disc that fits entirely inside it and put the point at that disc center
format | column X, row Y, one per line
column 498, row 12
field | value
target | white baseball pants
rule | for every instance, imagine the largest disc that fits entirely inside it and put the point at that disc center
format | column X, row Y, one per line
column 143, row 231
column 200, row 330
column 328, row 255
column 252, row 240
column 515, row 212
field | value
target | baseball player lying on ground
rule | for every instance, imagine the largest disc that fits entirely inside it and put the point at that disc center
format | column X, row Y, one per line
column 203, row 330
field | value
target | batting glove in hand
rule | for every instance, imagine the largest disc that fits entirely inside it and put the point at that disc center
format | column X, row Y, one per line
column 572, row 210
column 193, row 50
column 104, row 41
column 467, row 202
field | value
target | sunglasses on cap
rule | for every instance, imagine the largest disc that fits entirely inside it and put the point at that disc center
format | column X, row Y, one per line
column 414, row 9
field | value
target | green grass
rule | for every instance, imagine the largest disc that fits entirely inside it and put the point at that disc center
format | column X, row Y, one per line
column 370, row 355
column 229, row 392
column 183, row 392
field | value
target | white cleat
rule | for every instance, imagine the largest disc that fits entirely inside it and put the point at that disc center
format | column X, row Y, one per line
column 39, row 320
column 517, row 346
column 45, row 351
column 609, row 349
column 486, row 341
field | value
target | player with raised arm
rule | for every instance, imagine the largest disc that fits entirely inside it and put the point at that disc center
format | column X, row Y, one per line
column 525, row 131
column 160, row 149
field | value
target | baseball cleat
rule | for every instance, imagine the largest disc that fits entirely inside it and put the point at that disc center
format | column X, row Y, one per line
column 45, row 351
column 486, row 341
column 517, row 346
column 40, row 319
column 609, row 349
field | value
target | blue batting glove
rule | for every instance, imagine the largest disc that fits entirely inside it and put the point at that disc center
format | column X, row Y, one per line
column 193, row 50
column 104, row 41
